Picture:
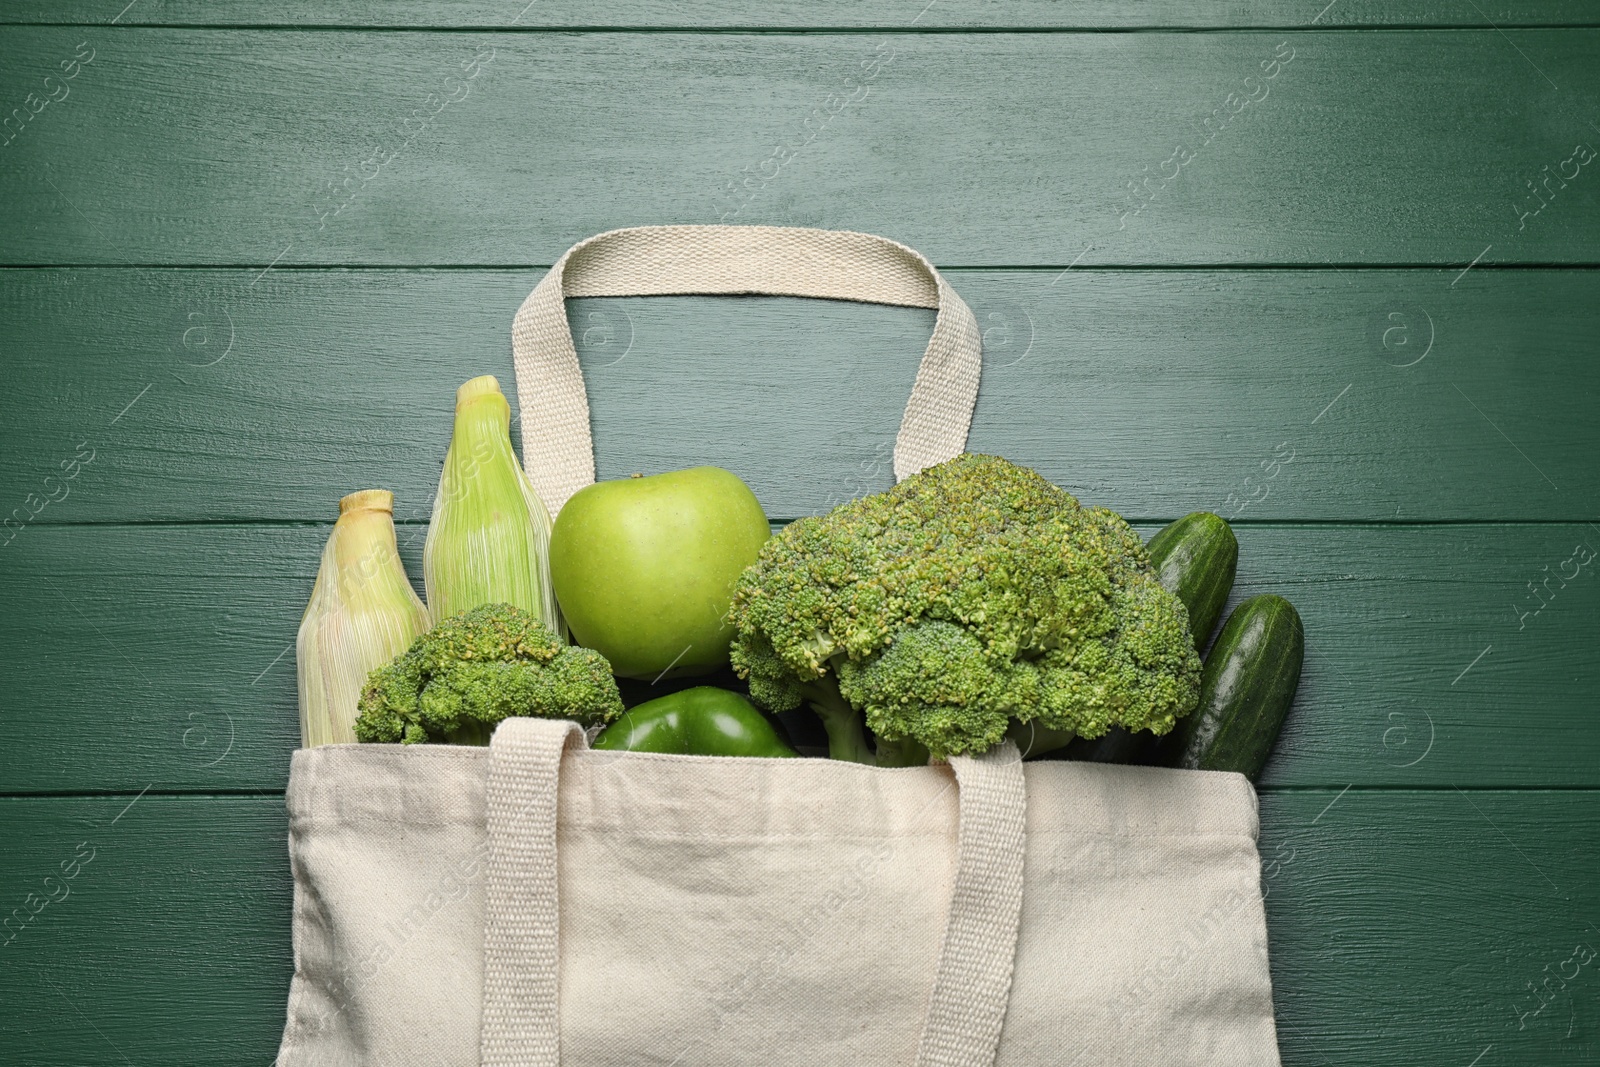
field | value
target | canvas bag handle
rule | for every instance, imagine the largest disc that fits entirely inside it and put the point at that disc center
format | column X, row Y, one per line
column 521, row 949
column 521, row 966
column 557, row 449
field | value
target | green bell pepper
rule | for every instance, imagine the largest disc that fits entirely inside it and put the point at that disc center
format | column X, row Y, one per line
column 703, row 721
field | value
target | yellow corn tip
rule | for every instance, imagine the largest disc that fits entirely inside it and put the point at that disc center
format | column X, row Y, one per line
column 362, row 613
column 489, row 541
column 482, row 385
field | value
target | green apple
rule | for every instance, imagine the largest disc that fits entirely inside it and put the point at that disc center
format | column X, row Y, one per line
column 643, row 568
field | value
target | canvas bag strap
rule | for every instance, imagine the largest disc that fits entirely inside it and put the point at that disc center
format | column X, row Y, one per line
column 521, row 971
column 972, row 986
column 557, row 449
column 521, row 949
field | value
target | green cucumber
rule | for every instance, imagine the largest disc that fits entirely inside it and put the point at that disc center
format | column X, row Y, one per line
column 1195, row 558
column 1246, row 689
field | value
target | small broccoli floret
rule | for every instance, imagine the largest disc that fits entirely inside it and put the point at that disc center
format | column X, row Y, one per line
column 935, row 685
column 970, row 595
column 772, row 685
column 457, row 681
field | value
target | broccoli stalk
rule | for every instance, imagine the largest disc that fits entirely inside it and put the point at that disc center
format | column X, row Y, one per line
column 847, row 735
column 1033, row 739
column 847, row 738
column 460, row 679
column 970, row 597
column 902, row 753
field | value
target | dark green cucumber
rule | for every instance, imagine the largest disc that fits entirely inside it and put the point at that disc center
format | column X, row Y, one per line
column 1245, row 691
column 1195, row 559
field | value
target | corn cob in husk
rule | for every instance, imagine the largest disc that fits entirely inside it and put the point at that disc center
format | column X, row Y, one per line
column 489, row 541
column 363, row 612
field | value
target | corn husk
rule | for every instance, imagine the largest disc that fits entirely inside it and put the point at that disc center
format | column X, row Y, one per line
column 363, row 612
column 489, row 541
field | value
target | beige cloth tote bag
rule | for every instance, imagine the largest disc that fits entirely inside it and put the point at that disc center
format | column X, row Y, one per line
column 538, row 903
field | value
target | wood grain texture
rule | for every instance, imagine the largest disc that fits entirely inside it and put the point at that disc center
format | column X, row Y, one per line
column 230, row 147
column 162, row 655
column 789, row 14
column 1156, row 393
column 171, row 944
column 1405, row 928
column 1411, row 928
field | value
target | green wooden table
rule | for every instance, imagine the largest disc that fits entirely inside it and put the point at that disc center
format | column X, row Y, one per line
column 1327, row 270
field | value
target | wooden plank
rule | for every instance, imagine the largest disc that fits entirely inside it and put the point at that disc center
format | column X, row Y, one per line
column 1412, row 928
column 1155, row 393
column 691, row 14
column 169, row 945
column 1424, row 644
column 1431, row 909
column 162, row 655
column 236, row 147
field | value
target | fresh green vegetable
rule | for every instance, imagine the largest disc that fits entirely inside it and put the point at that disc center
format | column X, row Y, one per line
column 1117, row 746
column 969, row 595
column 1249, row 683
column 457, row 681
column 902, row 753
column 489, row 540
column 362, row 613
column 1195, row 558
column 1032, row 739
column 644, row 567
column 703, row 721
column 847, row 733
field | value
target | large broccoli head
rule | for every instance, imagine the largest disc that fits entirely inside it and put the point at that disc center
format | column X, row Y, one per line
column 968, row 595
column 458, row 680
